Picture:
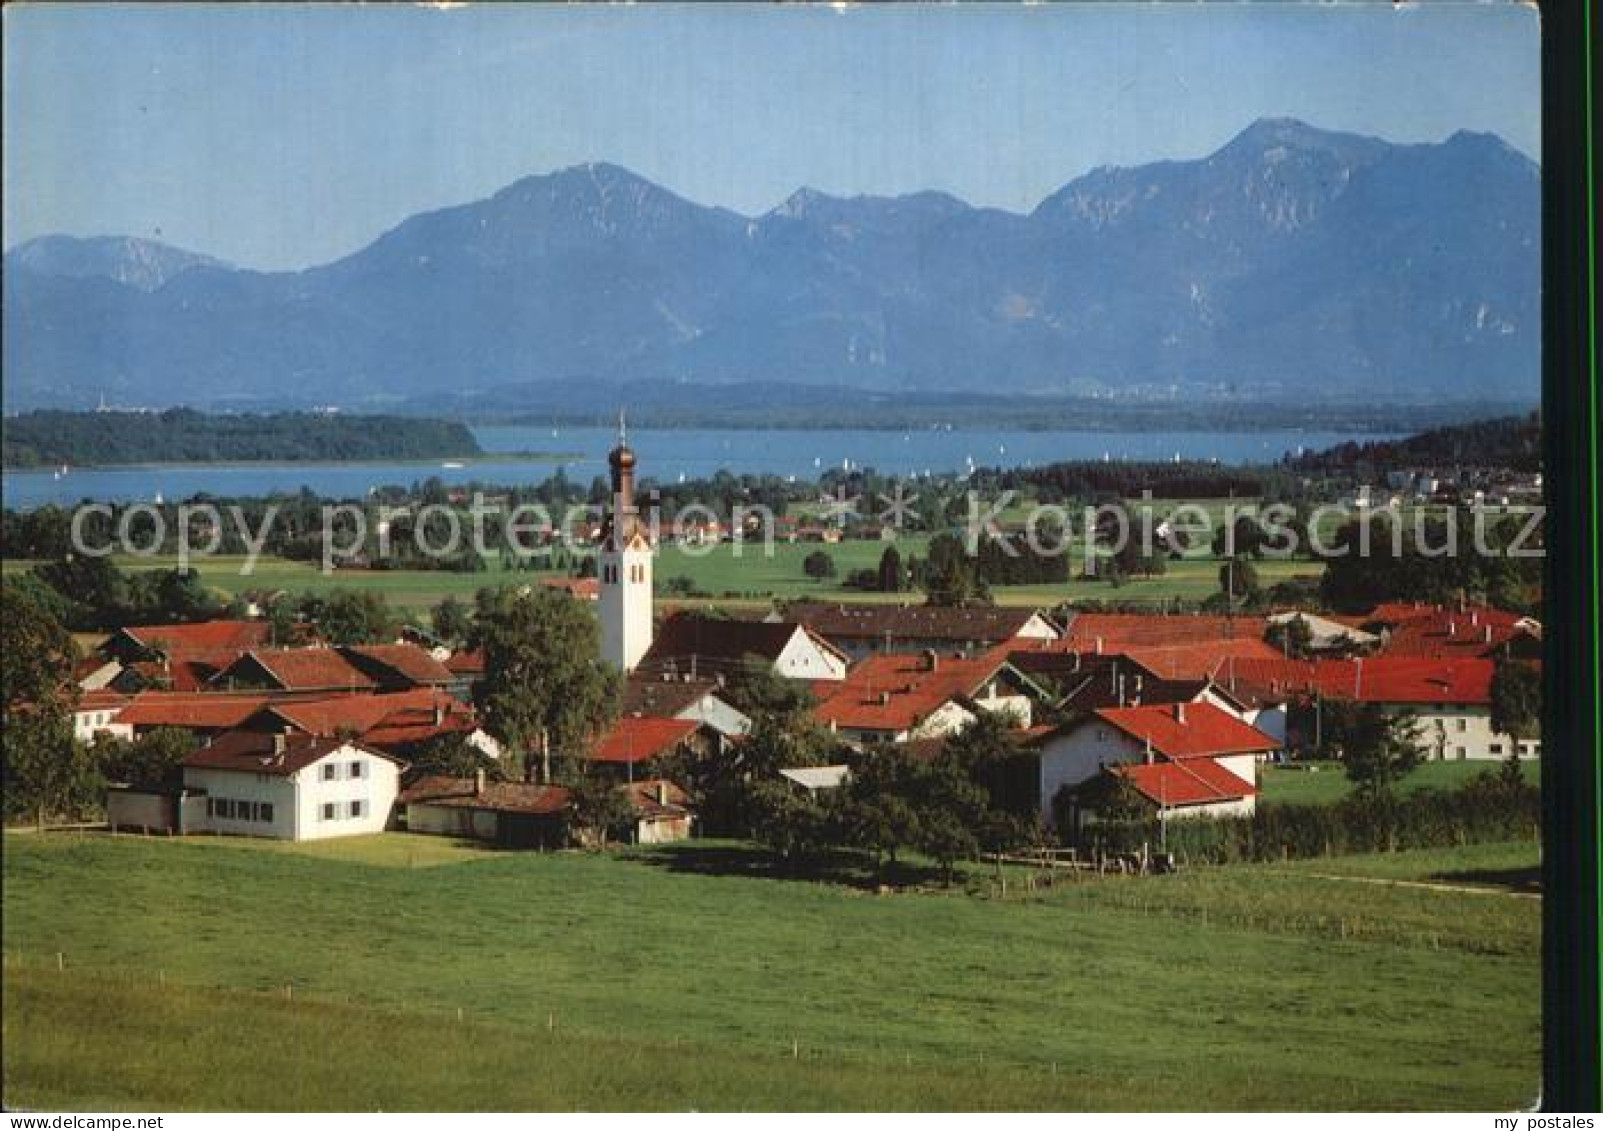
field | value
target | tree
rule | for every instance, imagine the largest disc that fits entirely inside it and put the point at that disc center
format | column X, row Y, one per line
column 1516, row 699
column 351, row 616
column 545, row 686
column 818, row 565
column 1238, row 582
column 890, row 571
column 45, row 771
column 1379, row 749
column 452, row 755
column 792, row 823
column 452, row 620
column 1294, row 637
column 94, row 585
column 949, row 576
column 179, row 595
column 598, row 806
column 154, row 758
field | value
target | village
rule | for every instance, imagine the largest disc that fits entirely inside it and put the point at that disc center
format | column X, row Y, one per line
column 1162, row 717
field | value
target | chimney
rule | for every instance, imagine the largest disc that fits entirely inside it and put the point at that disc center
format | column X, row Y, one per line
column 280, row 742
column 932, row 662
column 1452, row 628
column 884, row 698
column 439, row 715
column 478, row 782
column 1180, row 713
column 1475, row 617
column 1099, row 646
column 1487, row 633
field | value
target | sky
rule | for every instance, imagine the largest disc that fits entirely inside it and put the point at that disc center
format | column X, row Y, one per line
column 282, row 137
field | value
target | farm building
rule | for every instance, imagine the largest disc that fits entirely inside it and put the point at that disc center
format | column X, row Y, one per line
column 665, row 696
column 1184, row 733
column 512, row 814
column 634, row 745
column 894, row 698
column 282, row 786
column 703, row 646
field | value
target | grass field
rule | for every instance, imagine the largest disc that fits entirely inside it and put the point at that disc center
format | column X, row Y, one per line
column 753, row 577
column 649, row 982
column 1321, row 783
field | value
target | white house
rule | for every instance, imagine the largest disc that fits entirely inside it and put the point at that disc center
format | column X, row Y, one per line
column 900, row 698
column 292, row 786
column 1181, row 733
column 97, row 713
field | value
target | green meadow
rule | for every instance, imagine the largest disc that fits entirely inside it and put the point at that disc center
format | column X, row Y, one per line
column 1320, row 783
column 228, row 974
column 743, row 577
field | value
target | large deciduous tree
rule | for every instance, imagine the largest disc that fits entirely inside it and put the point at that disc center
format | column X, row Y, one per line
column 545, row 687
column 47, row 773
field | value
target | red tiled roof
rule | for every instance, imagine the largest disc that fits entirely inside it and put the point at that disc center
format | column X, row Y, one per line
column 303, row 669
column 406, row 662
column 985, row 624
column 499, row 796
column 185, row 671
column 1198, row 781
column 1376, row 679
column 205, row 636
column 1120, row 632
column 191, row 710
column 1479, row 632
column 466, row 663
column 718, row 638
column 896, row 691
column 1205, row 731
column 101, row 699
column 251, row 752
column 635, row 740
column 1200, row 660
column 657, row 697
column 393, row 719
column 584, row 588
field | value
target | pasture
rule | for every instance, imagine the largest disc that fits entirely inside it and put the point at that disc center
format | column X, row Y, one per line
column 1321, row 783
column 206, row 974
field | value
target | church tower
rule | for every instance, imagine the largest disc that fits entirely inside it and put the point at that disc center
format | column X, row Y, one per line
column 624, row 567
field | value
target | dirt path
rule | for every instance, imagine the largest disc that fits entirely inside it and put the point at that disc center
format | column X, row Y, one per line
column 1428, row 885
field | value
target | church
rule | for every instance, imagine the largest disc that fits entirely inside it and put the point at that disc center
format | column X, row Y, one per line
column 624, row 567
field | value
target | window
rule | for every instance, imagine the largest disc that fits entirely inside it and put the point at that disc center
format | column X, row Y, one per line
column 356, row 769
column 264, row 811
column 1494, row 748
column 328, row 811
column 358, row 808
column 1460, row 753
column 330, row 771
column 244, row 811
column 1463, row 724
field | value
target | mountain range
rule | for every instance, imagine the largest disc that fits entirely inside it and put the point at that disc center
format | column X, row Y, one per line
column 1293, row 262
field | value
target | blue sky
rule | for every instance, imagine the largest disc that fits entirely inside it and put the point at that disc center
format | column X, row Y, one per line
column 283, row 137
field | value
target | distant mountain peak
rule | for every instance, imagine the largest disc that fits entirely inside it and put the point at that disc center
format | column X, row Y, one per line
column 145, row 264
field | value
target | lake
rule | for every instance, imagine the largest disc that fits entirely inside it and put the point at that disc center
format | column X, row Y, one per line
column 667, row 455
